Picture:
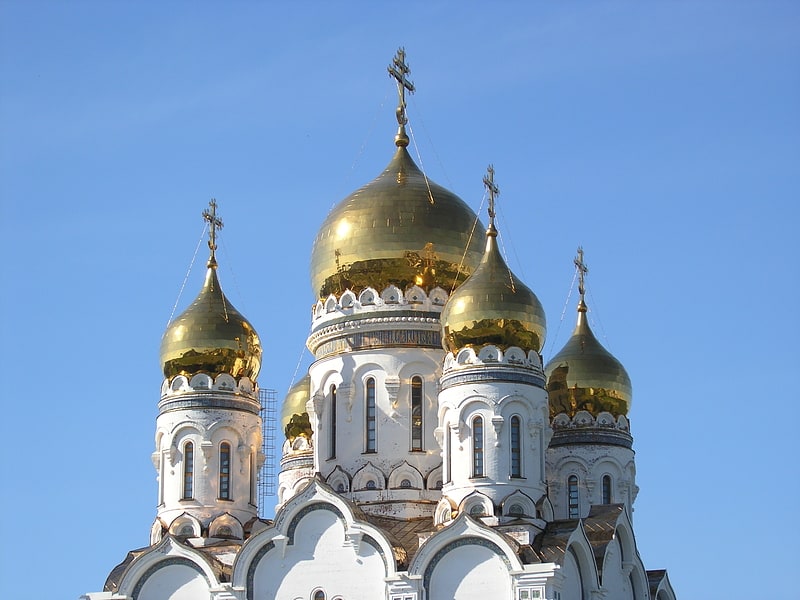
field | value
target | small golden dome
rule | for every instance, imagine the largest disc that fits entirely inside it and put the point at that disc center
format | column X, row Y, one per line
column 211, row 337
column 585, row 376
column 401, row 229
column 493, row 307
column 294, row 417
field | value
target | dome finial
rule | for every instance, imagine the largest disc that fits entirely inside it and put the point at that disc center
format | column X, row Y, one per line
column 494, row 191
column 399, row 70
column 582, row 271
column 214, row 223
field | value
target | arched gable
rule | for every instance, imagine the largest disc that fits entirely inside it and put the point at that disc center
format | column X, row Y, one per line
column 226, row 526
column 169, row 571
column 405, row 476
column 317, row 530
column 369, row 477
column 465, row 555
column 580, row 550
column 518, row 504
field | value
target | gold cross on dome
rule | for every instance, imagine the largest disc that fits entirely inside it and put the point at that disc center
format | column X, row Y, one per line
column 491, row 187
column 214, row 224
column 399, row 70
column 582, row 271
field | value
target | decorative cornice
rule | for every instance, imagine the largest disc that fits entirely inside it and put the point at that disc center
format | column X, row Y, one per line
column 297, row 461
column 492, row 364
column 209, row 399
column 396, row 330
column 202, row 382
column 370, row 301
column 572, row 437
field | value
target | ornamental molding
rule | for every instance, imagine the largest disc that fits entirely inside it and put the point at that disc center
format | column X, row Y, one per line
column 399, row 330
column 489, row 354
column 204, row 383
column 370, row 301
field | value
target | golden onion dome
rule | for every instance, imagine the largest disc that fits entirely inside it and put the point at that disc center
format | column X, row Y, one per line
column 294, row 417
column 211, row 336
column 586, row 376
column 493, row 306
column 401, row 229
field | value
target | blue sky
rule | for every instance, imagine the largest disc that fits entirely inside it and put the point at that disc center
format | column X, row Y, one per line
column 662, row 136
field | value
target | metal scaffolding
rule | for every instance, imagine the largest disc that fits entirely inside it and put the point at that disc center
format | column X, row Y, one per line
column 269, row 420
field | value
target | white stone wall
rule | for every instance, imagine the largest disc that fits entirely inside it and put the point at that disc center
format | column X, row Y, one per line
column 207, row 429
column 392, row 370
column 590, row 463
column 496, row 403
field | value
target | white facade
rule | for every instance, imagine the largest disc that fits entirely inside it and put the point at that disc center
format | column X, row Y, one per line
column 208, row 455
column 595, row 457
column 493, row 420
column 425, row 475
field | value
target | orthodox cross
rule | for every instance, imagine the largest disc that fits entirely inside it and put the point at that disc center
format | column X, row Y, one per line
column 491, row 187
column 214, row 223
column 399, row 70
column 582, row 271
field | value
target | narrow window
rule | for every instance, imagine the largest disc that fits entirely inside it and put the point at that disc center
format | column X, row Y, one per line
column 319, row 595
column 606, row 489
column 416, row 414
column 516, row 453
column 477, row 447
column 253, row 479
column 447, row 456
column 225, row 471
column 370, row 406
column 332, row 453
column 572, row 490
column 188, row 471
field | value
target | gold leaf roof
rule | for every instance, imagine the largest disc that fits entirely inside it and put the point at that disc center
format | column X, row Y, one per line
column 586, row 376
column 211, row 337
column 493, row 307
column 401, row 229
column 294, row 417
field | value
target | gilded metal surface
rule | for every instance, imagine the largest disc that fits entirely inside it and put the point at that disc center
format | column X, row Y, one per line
column 400, row 229
column 211, row 336
column 294, row 418
column 585, row 376
column 493, row 307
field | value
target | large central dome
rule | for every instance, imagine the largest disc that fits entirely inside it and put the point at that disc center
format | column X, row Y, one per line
column 401, row 229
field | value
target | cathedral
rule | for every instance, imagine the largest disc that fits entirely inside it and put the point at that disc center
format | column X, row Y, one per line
column 428, row 454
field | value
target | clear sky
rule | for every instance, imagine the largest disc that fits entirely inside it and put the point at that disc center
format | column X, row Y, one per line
column 662, row 136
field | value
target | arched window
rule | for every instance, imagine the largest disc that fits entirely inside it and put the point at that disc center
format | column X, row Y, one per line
column 188, row 471
column 416, row 414
column 406, row 483
column 607, row 489
column 318, row 595
column 253, row 479
column 572, row 491
column 477, row 447
column 225, row 471
column 332, row 424
column 448, row 475
column 516, row 448
column 516, row 510
column 370, row 413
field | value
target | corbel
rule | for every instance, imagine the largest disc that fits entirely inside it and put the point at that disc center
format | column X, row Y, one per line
column 392, row 385
column 497, row 423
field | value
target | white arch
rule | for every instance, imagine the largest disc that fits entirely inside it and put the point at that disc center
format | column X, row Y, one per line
column 167, row 551
column 405, row 471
